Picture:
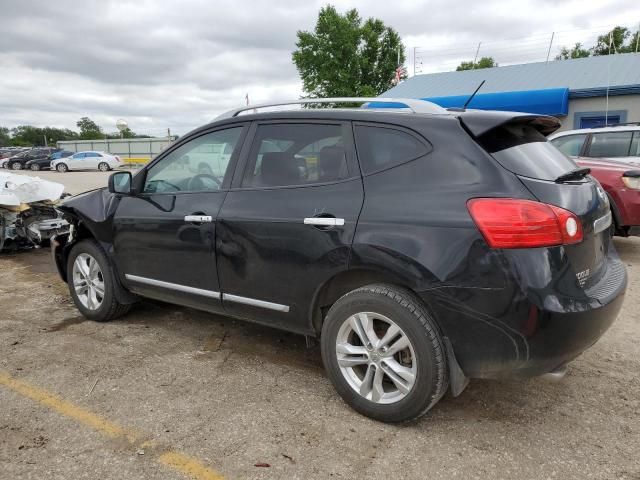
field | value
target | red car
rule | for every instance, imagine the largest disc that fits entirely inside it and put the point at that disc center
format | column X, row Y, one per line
column 622, row 184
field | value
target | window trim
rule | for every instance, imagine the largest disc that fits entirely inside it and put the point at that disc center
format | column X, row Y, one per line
column 587, row 144
column 426, row 143
column 233, row 161
column 243, row 163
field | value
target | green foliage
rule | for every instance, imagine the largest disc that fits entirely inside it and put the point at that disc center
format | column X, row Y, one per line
column 30, row 136
column 484, row 62
column 616, row 37
column 618, row 40
column 344, row 57
column 576, row 52
column 89, row 130
column 5, row 137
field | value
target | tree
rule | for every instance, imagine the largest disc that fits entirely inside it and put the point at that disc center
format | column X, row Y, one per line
column 612, row 42
column 484, row 62
column 89, row 130
column 5, row 137
column 576, row 52
column 344, row 57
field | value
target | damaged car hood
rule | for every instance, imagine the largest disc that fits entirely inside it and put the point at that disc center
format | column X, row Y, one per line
column 18, row 189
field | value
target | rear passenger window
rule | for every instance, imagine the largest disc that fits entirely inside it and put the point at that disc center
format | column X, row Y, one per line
column 570, row 145
column 635, row 145
column 610, row 144
column 381, row 147
column 294, row 154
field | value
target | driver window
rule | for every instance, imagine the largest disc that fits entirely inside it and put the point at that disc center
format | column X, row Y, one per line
column 198, row 165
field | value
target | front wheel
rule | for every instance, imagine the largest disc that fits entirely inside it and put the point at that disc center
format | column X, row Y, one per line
column 16, row 166
column 61, row 167
column 103, row 167
column 384, row 354
column 91, row 283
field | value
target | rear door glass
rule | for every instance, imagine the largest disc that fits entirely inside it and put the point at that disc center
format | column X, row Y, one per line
column 610, row 144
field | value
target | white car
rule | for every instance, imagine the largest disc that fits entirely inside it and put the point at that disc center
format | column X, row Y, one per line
column 618, row 143
column 89, row 160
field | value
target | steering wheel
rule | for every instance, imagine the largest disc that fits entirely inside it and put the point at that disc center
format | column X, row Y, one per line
column 196, row 182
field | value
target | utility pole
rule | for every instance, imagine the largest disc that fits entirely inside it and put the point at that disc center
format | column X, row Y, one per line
column 475, row 60
column 638, row 38
column 414, row 60
column 550, row 43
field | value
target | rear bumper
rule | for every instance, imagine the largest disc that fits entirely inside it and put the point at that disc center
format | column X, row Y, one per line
column 522, row 330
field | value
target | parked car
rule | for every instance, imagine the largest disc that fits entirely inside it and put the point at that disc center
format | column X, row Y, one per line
column 622, row 184
column 618, row 143
column 90, row 160
column 422, row 249
column 5, row 161
column 19, row 161
column 44, row 163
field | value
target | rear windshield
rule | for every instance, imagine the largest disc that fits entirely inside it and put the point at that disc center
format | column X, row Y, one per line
column 523, row 150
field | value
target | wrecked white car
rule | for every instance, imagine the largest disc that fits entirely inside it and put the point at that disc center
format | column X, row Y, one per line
column 27, row 214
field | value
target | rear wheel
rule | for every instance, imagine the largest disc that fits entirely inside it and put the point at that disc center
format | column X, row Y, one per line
column 92, row 283
column 384, row 354
column 61, row 167
column 35, row 167
column 103, row 167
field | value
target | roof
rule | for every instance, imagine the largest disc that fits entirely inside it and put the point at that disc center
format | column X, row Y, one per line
column 582, row 76
column 630, row 127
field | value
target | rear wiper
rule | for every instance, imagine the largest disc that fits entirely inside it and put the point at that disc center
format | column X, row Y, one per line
column 576, row 174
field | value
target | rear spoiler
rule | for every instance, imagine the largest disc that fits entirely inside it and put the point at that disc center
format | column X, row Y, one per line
column 479, row 122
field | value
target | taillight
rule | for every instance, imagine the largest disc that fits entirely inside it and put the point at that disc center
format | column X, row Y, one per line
column 516, row 223
column 117, row 158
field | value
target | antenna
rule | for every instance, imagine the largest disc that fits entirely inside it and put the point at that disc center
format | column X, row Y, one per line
column 473, row 95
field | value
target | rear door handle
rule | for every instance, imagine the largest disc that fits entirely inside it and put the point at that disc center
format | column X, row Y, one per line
column 198, row 218
column 324, row 221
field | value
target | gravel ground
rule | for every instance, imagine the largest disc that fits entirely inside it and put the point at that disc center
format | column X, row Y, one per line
column 235, row 395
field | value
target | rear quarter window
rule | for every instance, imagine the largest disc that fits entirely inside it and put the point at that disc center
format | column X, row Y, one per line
column 380, row 148
column 523, row 150
column 570, row 145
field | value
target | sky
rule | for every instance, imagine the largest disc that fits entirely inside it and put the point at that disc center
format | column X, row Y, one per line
column 179, row 63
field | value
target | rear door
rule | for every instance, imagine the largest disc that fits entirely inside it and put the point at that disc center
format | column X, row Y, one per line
column 287, row 225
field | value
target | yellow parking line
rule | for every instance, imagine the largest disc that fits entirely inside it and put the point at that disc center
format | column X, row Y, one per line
column 175, row 460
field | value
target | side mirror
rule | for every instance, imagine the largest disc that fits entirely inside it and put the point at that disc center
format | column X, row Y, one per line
column 120, row 182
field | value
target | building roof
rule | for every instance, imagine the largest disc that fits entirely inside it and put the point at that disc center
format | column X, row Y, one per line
column 584, row 77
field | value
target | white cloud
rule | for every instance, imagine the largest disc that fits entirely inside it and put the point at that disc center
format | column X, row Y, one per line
column 180, row 63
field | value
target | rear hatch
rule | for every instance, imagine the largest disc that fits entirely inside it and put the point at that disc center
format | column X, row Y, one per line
column 520, row 145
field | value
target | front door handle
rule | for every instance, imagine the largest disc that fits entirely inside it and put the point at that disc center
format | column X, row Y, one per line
column 198, row 218
column 324, row 221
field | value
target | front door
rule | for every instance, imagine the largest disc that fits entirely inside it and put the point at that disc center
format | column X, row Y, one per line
column 164, row 236
column 287, row 225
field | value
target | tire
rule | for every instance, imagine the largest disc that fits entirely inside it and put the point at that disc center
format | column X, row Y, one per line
column 15, row 166
column 108, row 307
column 61, row 167
column 103, row 167
column 35, row 167
column 425, row 356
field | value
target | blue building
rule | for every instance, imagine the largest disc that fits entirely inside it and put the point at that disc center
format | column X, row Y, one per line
column 573, row 90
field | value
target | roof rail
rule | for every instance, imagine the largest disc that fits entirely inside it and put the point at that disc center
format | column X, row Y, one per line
column 413, row 104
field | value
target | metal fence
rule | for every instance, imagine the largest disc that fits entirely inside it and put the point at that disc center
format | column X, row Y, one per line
column 131, row 150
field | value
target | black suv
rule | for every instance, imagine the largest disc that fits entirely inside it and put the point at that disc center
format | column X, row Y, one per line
column 19, row 161
column 423, row 248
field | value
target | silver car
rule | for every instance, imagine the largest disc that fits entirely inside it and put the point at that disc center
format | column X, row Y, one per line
column 88, row 160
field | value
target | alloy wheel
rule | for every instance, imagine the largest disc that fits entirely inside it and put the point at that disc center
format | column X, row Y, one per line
column 376, row 357
column 88, row 281
column 103, row 167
